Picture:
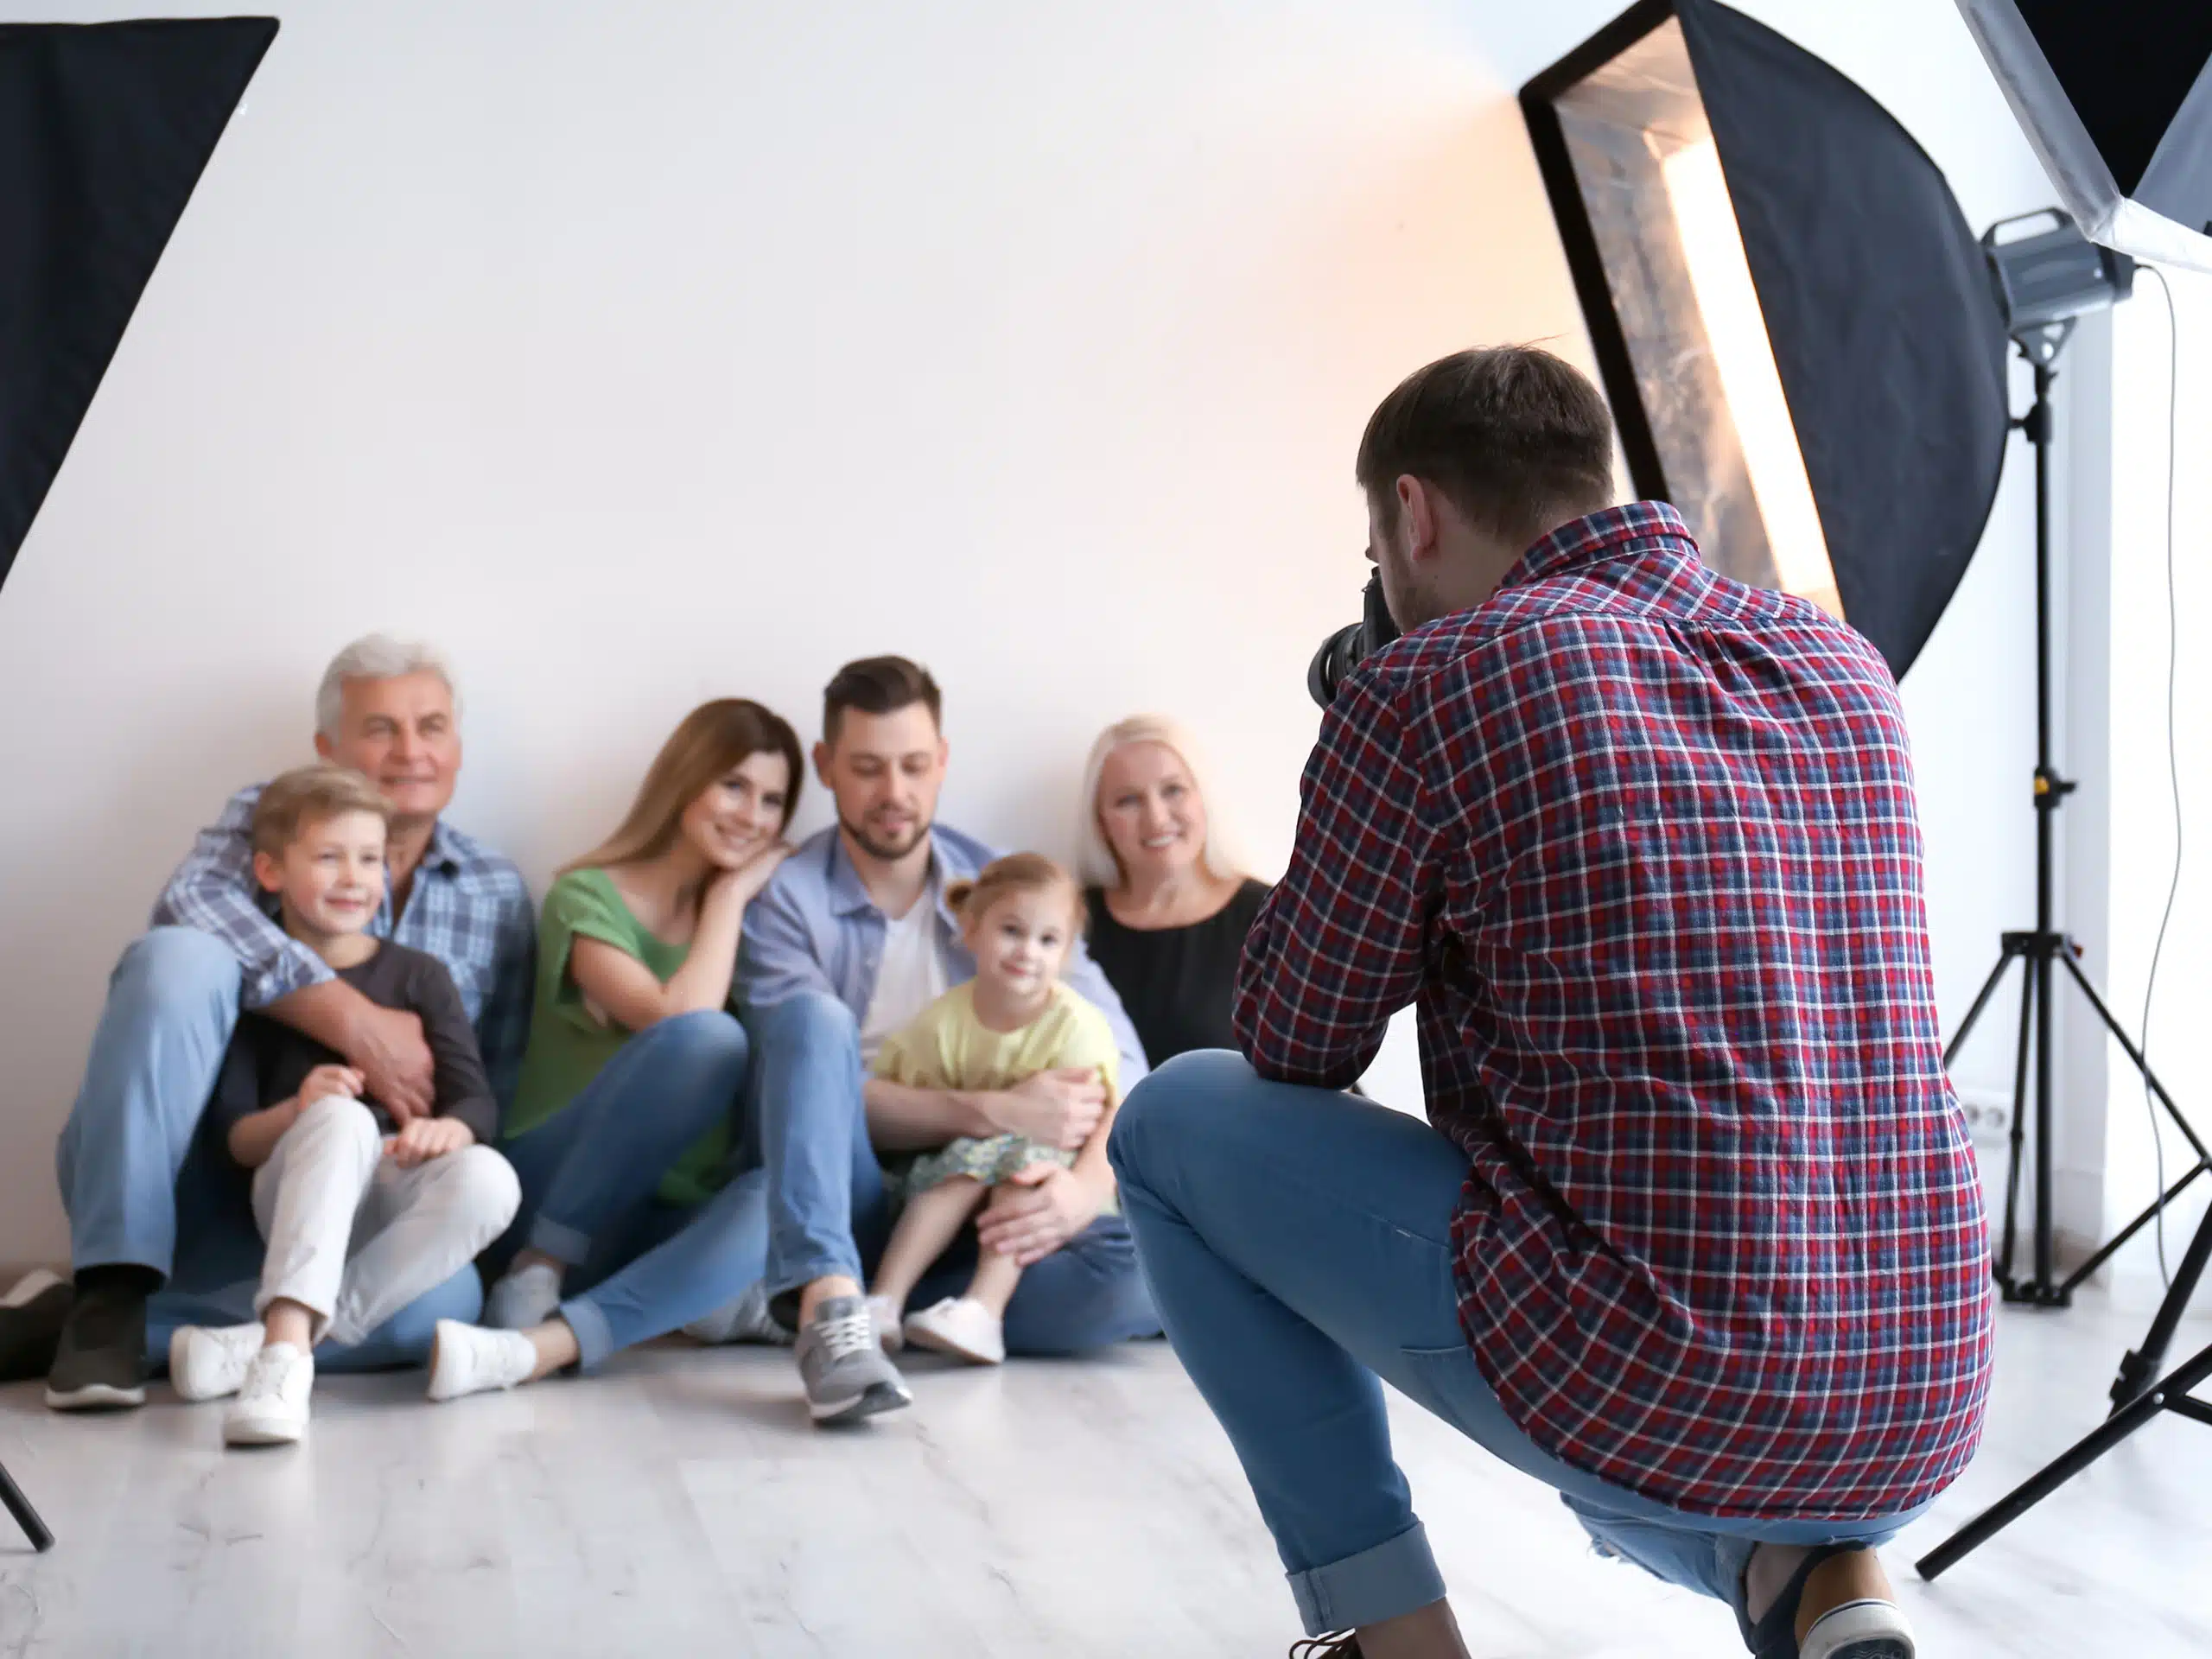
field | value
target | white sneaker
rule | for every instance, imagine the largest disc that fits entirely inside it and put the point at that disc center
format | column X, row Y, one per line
column 888, row 1334
column 745, row 1319
column 961, row 1326
column 207, row 1361
column 523, row 1298
column 469, row 1359
column 271, row 1408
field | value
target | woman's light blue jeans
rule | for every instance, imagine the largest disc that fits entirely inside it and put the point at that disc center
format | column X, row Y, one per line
column 641, row 1268
column 1297, row 1241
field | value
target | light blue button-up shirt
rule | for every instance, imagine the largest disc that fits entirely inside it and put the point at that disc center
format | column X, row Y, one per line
column 815, row 929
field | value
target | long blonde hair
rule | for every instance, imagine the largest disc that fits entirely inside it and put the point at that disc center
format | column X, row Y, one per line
column 1095, row 858
column 710, row 740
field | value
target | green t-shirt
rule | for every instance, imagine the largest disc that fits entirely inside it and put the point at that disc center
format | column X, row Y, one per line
column 570, row 1040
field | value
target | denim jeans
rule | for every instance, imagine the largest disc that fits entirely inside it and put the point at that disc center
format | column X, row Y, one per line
column 172, row 1004
column 1297, row 1241
column 641, row 1267
column 829, row 1213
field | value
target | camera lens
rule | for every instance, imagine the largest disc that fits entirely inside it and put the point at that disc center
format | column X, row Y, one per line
column 1343, row 651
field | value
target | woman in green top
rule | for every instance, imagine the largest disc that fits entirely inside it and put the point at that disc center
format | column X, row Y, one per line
column 620, row 1127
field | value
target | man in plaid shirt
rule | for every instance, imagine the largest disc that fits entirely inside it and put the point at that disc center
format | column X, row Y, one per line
column 1693, row 1233
column 387, row 709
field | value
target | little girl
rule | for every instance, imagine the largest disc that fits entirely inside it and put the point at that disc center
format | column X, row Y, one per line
column 1014, row 1019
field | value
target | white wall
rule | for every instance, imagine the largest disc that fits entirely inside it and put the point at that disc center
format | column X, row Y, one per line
column 2143, row 804
column 643, row 356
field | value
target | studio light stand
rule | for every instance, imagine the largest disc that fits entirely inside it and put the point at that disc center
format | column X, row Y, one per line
column 2136, row 1398
column 2020, row 267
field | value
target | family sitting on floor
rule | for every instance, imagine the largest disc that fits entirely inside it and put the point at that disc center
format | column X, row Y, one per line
column 724, row 1085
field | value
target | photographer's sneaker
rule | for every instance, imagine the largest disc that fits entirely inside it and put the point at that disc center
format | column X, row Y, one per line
column 524, row 1297
column 841, row 1362
column 745, row 1319
column 961, row 1326
column 271, row 1408
column 207, row 1363
column 469, row 1359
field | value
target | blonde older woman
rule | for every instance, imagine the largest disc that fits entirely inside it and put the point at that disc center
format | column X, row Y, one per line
column 1169, row 907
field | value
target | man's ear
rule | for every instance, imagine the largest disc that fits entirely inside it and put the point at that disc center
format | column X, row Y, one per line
column 268, row 870
column 1417, row 512
column 822, row 766
column 322, row 745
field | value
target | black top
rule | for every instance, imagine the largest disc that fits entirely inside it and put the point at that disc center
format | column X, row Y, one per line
column 1177, row 982
column 267, row 1061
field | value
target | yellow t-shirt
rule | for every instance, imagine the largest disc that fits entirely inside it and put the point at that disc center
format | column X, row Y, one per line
column 946, row 1046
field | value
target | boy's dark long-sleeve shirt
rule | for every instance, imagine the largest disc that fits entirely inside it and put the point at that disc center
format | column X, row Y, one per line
column 267, row 1061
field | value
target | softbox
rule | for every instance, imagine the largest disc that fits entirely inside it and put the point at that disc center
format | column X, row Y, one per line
column 1795, row 325
column 104, row 133
column 2116, row 98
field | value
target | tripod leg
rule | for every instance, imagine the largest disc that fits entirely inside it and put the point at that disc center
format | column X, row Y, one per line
column 2140, row 1365
column 2017, row 1154
column 2061, row 1469
column 2039, row 986
column 2135, row 1057
column 26, row 1517
column 1981, row 1001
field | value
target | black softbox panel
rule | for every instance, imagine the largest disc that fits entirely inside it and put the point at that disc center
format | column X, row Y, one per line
column 104, row 133
column 2116, row 98
column 1886, row 332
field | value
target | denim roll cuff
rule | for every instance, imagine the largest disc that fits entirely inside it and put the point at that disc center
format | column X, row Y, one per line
column 563, row 1244
column 594, row 1340
column 1394, row 1577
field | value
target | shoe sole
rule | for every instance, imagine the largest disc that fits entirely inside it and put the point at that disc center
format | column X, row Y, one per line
column 872, row 1401
column 937, row 1343
column 96, row 1396
column 1859, row 1629
column 263, row 1431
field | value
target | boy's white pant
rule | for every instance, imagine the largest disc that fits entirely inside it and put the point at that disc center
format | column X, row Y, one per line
column 354, row 1237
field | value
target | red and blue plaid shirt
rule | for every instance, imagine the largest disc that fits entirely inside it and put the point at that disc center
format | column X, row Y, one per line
column 1641, row 843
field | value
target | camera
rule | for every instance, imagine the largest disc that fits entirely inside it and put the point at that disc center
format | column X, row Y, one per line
column 1343, row 651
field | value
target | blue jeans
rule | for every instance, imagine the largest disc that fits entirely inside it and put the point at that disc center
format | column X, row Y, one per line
column 1298, row 1244
column 403, row 1339
column 641, row 1268
column 829, row 1214
column 172, row 1004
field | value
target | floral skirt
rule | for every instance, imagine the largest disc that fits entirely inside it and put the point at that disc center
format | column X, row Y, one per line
column 992, row 1161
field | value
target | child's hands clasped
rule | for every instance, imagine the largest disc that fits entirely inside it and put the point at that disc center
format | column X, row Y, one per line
column 421, row 1139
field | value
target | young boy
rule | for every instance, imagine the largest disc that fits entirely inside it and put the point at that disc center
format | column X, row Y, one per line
column 361, row 1214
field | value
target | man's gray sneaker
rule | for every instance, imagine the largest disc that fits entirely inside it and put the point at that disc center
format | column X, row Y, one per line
column 843, row 1367
column 745, row 1319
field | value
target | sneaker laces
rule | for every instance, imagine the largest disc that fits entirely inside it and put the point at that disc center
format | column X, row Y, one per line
column 266, row 1376
column 847, row 1334
column 1342, row 1645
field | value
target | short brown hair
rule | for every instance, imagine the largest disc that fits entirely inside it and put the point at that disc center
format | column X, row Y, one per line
column 879, row 685
column 1517, row 439
column 309, row 795
column 971, row 900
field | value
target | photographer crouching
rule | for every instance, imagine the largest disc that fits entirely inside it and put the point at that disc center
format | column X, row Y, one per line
column 1693, row 1232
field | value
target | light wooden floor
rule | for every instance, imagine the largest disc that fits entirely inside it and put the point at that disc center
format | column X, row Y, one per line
column 678, row 1505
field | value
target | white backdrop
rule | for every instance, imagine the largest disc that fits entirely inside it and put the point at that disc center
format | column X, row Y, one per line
column 641, row 355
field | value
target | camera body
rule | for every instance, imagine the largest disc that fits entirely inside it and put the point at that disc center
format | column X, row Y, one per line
column 1344, row 650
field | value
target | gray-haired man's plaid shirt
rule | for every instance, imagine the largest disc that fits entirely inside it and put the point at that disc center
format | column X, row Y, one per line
column 468, row 907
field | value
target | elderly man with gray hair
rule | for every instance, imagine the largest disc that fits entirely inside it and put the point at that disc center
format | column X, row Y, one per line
column 386, row 709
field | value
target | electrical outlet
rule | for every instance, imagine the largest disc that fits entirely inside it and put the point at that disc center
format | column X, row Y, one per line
column 1989, row 1116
